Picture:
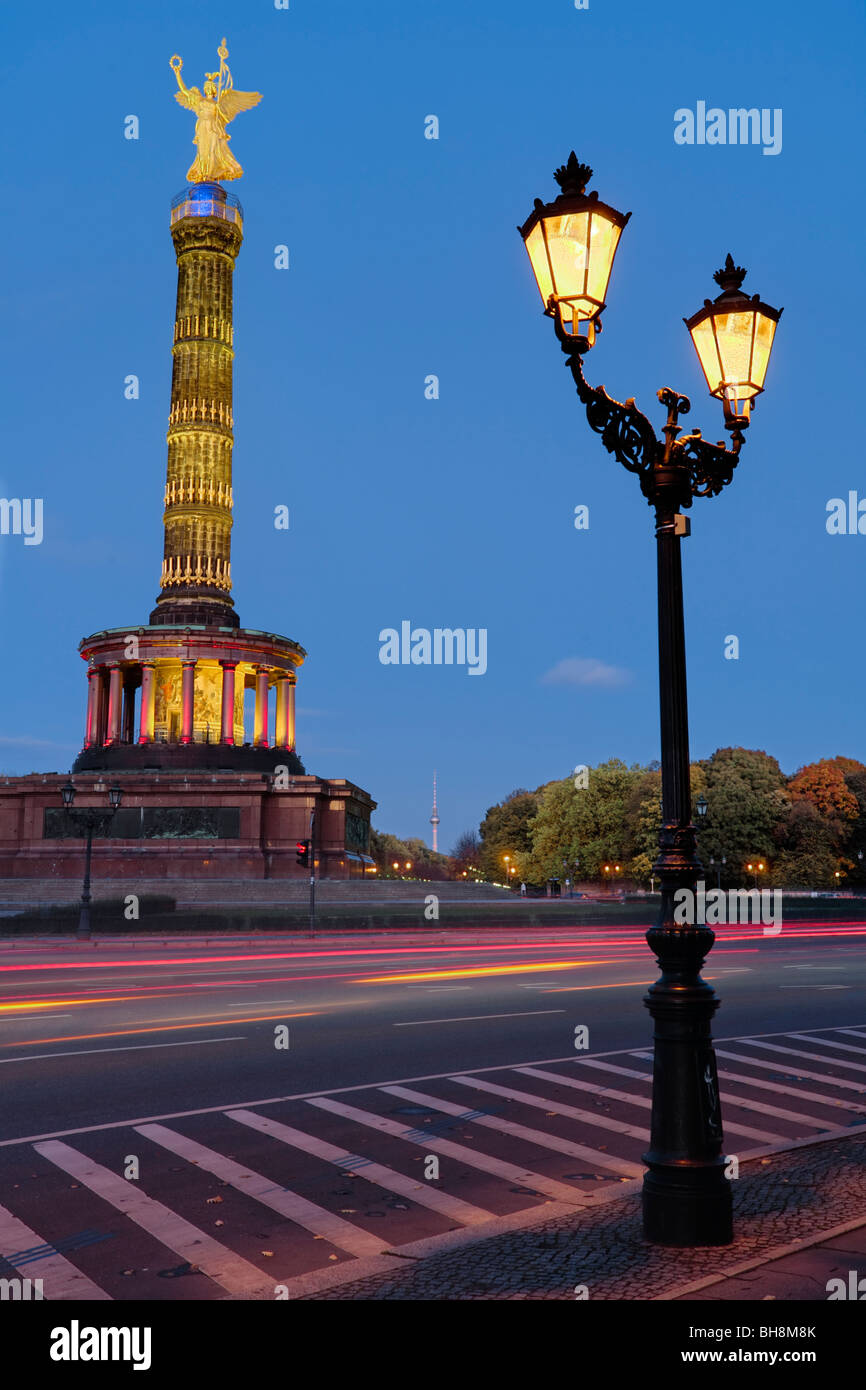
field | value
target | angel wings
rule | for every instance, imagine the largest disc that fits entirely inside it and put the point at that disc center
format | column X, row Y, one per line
column 214, row 110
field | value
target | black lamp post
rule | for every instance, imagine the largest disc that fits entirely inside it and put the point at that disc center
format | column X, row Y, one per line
column 718, row 869
column 571, row 243
column 88, row 819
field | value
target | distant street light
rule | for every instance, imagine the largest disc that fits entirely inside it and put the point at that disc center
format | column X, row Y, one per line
column 88, row 818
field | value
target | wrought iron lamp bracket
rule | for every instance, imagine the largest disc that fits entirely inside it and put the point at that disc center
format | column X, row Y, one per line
column 683, row 468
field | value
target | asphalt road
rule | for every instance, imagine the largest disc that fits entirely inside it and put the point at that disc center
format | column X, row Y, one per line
column 131, row 1051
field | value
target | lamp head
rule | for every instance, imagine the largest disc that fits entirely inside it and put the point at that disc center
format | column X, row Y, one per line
column 733, row 336
column 571, row 244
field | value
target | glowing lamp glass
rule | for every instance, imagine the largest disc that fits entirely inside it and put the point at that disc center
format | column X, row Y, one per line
column 572, row 257
column 733, row 337
column 571, row 244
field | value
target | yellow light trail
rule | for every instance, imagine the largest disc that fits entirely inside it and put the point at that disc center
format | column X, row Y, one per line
column 621, row 984
column 64, row 1003
column 162, row 1028
column 481, row 970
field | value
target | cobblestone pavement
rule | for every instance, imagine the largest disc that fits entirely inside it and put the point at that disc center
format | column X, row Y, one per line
column 789, row 1197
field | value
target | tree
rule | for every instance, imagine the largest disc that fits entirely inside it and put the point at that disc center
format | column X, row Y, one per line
column 807, row 848
column 588, row 823
column 466, row 853
column 746, row 801
column 856, row 842
column 505, row 830
column 824, row 784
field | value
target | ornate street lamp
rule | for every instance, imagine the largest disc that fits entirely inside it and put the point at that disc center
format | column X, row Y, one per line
column 571, row 245
column 88, row 819
column 733, row 335
column 701, row 806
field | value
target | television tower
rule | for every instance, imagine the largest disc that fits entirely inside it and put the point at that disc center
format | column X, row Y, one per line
column 434, row 819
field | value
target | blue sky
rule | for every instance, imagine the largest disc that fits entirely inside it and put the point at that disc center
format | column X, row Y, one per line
column 404, row 261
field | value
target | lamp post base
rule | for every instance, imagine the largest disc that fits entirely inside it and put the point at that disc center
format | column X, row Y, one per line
column 693, row 1210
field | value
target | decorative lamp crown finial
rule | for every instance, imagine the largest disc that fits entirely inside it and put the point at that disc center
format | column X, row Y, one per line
column 573, row 176
column 731, row 276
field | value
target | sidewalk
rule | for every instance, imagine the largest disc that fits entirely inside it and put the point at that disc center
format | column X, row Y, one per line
column 800, row 1220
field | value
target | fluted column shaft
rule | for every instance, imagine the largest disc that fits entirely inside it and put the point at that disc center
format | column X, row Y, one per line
column 227, row 713
column 196, row 571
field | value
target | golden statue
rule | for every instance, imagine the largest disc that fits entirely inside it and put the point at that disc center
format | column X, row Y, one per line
column 219, row 105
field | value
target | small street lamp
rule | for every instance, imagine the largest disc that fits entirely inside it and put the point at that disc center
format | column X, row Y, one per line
column 88, row 819
column 718, row 869
column 571, row 244
column 701, row 806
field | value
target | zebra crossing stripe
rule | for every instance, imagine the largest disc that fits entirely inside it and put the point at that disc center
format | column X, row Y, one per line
column 646, row 1104
column 569, row 1111
column 813, row 1097
column 809, row 1056
column 289, row 1204
column 60, row 1279
column 423, row 1194
column 793, row 1069
column 233, row 1273
column 559, row 1191
column 531, row 1136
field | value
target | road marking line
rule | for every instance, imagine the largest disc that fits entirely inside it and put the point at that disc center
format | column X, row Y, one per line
column 793, row 1071
column 30, row 1018
column 518, row 1131
column 261, row 1004
column 316, row 1219
column 521, row 1177
column 645, row 1103
column 137, row 1047
column 809, row 1056
column 727, row 1097
column 423, row 1195
column 473, row 1018
column 233, row 1273
column 827, row 1042
column 854, row 1032
column 60, row 1277
column 359, row 1086
column 569, row 1111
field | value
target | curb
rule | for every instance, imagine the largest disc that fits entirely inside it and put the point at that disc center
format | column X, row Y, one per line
column 351, row 1272
column 769, row 1257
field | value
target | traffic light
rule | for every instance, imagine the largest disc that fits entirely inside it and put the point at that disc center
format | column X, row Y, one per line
column 302, row 852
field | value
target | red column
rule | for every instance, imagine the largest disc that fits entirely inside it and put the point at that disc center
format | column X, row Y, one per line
column 115, row 697
column 128, row 719
column 148, row 692
column 94, row 693
column 187, row 696
column 260, row 734
column 227, row 721
column 282, row 713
